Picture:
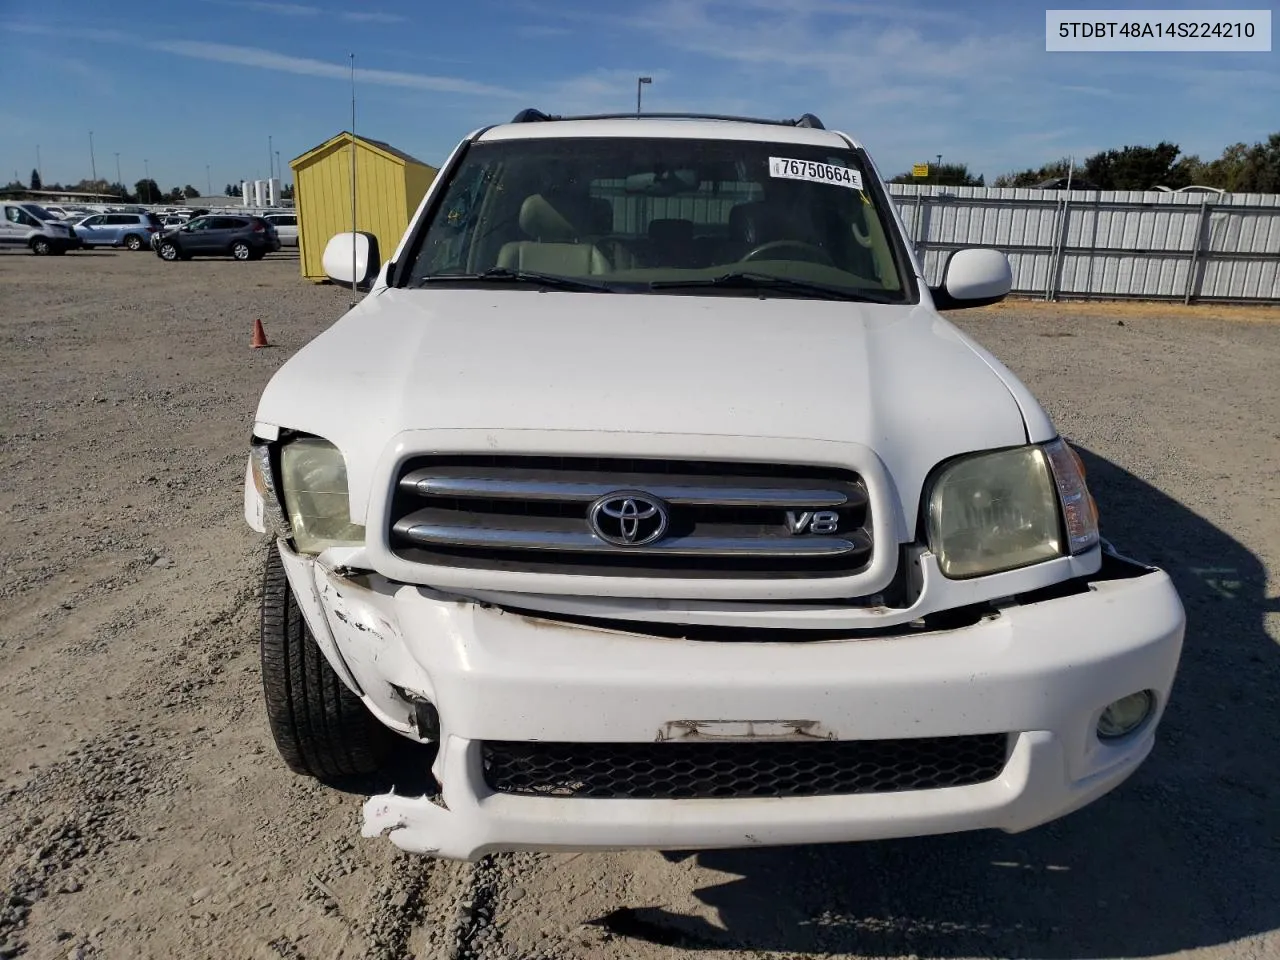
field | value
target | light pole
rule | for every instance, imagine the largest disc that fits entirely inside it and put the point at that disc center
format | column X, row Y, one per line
column 38, row 164
column 640, row 82
column 271, row 170
column 146, row 167
column 208, row 181
column 939, row 159
column 119, row 179
column 93, row 164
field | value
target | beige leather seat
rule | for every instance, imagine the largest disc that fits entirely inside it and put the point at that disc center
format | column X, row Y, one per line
column 554, row 247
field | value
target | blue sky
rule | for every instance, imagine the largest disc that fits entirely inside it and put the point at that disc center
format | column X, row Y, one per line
column 186, row 83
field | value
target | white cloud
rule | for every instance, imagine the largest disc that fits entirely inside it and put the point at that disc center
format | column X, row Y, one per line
column 307, row 10
column 373, row 16
column 306, row 66
column 283, row 9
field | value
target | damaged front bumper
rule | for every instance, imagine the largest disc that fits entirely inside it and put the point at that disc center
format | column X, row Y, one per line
column 1040, row 671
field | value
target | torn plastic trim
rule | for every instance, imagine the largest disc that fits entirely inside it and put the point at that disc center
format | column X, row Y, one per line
column 1113, row 567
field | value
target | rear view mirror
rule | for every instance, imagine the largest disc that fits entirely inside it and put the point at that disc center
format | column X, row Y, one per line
column 973, row 277
column 664, row 182
column 346, row 252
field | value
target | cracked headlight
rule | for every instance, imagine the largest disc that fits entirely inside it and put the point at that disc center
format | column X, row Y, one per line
column 994, row 512
column 313, row 481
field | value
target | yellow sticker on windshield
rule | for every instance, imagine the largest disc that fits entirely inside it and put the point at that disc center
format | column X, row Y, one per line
column 786, row 168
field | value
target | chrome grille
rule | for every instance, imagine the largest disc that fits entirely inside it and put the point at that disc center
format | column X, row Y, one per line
column 723, row 519
column 678, row 771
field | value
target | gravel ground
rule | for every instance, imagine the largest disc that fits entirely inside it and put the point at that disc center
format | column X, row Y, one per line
column 143, row 812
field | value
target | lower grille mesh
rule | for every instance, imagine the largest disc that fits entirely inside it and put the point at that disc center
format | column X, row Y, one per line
column 678, row 771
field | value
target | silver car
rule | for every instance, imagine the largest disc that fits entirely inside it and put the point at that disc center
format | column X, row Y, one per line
column 131, row 230
column 286, row 225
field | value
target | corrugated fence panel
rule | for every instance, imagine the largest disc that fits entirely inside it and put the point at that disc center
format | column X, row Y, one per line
column 1105, row 244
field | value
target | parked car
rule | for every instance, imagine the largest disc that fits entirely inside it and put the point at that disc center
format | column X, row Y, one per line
column 650, row 484
column 131, row 230
column 31, row 225
column 176, row 219
column 286, row 225
column 216, row 235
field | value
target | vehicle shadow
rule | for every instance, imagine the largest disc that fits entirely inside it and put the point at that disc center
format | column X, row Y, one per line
column 1184, row 855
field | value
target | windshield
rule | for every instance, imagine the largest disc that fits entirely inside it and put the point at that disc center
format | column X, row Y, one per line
column 40, row 212
column 636, row 214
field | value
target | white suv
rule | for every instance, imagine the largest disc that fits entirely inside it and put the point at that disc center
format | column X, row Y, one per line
column 648, row 483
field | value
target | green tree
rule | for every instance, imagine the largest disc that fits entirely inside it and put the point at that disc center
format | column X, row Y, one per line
column 1246, row 169
column 147, row 191
column 190, row 192
column 230, row 191
column 286, row 192
column 1137, row 168
column 945, row 175
column 1029, row 178
column 121, row 191
column 35, row 180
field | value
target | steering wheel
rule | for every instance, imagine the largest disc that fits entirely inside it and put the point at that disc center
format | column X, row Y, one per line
column 808, row 251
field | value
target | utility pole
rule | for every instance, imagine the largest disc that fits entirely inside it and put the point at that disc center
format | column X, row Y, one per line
column 640, row 82
column 939, row 159
column 93, row 164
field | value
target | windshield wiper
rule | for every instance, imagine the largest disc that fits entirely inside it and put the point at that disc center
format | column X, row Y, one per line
column 749, row 280
column 506, row 275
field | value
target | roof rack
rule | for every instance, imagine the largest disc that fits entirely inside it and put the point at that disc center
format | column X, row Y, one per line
column 530, row 115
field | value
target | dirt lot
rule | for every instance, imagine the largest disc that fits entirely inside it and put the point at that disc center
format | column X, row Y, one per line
column 143, row 812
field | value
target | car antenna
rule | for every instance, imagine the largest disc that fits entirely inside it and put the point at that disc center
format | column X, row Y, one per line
column 353, row 176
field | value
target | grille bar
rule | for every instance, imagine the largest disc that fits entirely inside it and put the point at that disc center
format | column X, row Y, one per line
column 718, row 770
column 441, row 482
column 417, row 529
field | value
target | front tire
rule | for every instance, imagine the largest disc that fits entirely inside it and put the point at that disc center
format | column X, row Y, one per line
column 168, row 251
column 41, row 247
column 133, row 242
column 240, row 250
column 320, row 727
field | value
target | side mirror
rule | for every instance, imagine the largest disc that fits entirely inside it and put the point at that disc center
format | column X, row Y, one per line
column 346, row 251
column 973, row 277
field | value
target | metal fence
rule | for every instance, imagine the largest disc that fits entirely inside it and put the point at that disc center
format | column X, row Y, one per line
column 1089, row 243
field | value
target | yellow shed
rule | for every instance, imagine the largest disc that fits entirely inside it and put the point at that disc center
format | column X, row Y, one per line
column 389, row 186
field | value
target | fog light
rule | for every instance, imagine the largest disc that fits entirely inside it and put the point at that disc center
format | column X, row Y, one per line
column 1125, row 715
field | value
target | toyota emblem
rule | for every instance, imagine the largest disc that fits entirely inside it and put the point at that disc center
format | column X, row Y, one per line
column 628, row 518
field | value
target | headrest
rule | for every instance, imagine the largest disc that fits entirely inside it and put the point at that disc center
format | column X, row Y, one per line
column 599, row 215
column 541, row 221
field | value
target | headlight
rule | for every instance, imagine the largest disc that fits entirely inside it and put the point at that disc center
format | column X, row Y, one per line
column 994, row 512
column 999, row 511
column 313, row 479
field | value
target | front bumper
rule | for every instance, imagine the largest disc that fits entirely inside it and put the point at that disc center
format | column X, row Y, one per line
column 1041, row 672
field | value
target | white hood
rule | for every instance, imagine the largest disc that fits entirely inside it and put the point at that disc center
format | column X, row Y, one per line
column 899, row 380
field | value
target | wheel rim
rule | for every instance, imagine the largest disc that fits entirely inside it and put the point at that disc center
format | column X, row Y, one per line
column 135, row 243
column 169, row 251
column 240, row 251
column 41, row 247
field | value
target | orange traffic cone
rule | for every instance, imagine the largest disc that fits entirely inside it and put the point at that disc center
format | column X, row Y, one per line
column 259, row 335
